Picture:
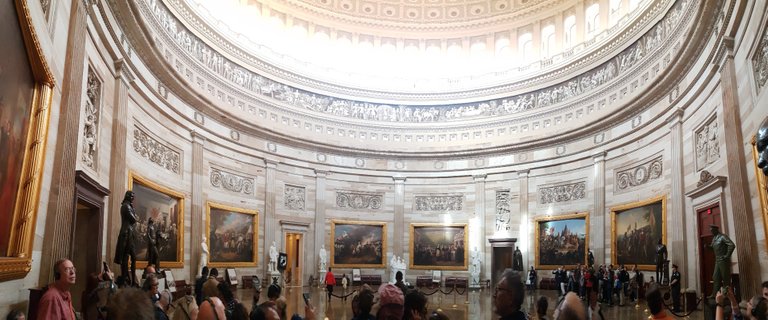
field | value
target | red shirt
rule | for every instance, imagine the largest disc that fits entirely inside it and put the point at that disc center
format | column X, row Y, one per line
column 329, row 279
column 56, row 304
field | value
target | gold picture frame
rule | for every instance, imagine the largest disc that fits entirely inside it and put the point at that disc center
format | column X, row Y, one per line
column 426, row 254
column 28, row 82
column 762, row 188
column 345, row 234
column 171, row 211
column 643, row 251
column 221, row 247
column 569, row 222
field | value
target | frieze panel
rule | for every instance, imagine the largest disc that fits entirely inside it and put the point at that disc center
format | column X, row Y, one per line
column 156, row 151
column 439, row 203
column 563, row 192
column 266, row 88
column 707, row 144
column 295, row 197
column 760, row 61
column 232, row 182
column 502, row 210
column 359, row 200
column 639, row 174
column 92, row 110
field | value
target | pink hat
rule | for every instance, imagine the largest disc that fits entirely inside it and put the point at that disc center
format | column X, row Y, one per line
column 389, row 294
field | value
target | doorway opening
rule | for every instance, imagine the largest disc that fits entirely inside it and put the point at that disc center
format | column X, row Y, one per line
column 501, row 257
column 293, row 249
column 706, row 216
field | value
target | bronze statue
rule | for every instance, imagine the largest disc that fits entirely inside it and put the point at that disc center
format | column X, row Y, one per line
column 723, row 247
column 126, row 240
column 517, row 260
column 762, row 146
column 661, row 257
column 153, row 257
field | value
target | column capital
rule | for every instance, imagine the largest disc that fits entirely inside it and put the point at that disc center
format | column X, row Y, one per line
column 122, row 72
column 399, row 180
column 523, row 173
column 271, row 163
column 321, row 173
column 197, row 137
column 599, row 156
column 479, row 177
column 675, row 118
column 724, row 52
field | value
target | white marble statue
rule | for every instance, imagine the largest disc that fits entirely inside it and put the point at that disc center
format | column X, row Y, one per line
column 272, row 258
column 203, row 255
column 393, row 266
column 474, row 268
column 323, row 258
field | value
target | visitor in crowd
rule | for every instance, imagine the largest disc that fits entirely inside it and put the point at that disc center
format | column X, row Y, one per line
column 199, row 285
column 531, row 282
column 16, row 315
column 399, row 282
column 561, row 279
column 578, row 277
column 56, row 302
column 508, row 296
column 541, row 308
column 330, row 282
column 211, row 286
column 438, row 314
column 162, row 305
column 211, row 309
column 239, row 312
column 227, row 298
column 674, row 284
column 151, row 287
column 185, row 308
column 128, row 304
column 344, row 284
column 391, row 303
column 656, row 303
column 415, row 306
column 362, row 303
column 765, row 289
column 149, row 269
column 570, row 308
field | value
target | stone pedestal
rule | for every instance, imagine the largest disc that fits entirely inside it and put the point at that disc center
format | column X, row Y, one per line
column 276, row 278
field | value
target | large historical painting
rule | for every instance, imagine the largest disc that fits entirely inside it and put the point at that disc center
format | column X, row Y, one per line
column 358, row 244
column 166, row 208
column 232, row 236
column 762, row 189
column 25, row 97
column 438, row 246
column 635, row 231
column 562, row 240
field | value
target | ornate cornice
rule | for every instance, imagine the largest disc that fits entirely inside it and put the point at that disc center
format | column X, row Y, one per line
column 156, row 151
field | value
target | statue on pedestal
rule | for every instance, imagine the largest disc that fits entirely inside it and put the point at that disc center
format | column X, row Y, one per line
column 126, row 240
column 323, row 258
column 272, row 258
column 723, row 247
column 203, row 253
column 517, row 260
column 661, row 257
column 474, row 268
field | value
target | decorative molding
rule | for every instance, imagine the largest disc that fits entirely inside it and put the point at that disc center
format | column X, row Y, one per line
column 232, row 182
column 158, row 152
column 265, row 87
column 707, row 144
column 704, row 178
column 439, row 203
column 359, row 200
column 503, row 210
column 760, row 61
column 563, row 192
column 639, row 174
column 295, row 197
column 90, row 136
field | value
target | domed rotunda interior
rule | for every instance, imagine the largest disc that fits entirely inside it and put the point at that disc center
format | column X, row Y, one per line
column 292, row 141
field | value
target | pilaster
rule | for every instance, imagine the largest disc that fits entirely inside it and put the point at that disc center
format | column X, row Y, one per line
column 524, row 225
column 270, row 220
column 741, row 206
column 321, row 181
column 198, row 203
column 477, row 222
column 57, row 243
column 676, row 216
column 399, row 218
column 597, row 218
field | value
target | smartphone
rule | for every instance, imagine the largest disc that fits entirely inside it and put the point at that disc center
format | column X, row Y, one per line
column 306, row 298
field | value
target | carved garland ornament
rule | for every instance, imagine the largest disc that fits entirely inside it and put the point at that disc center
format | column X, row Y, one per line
column 439, row 203
column 638, row 175
column 231, row 182
column 295, row 197
column 267, row 88
column 156, row 151
column 91, row 126
column 359, row 200
column 563, row 192
column 760, row 61
column 502, row 210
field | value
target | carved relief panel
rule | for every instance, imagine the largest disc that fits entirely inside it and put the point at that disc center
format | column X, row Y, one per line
column 439, row 202
column 760, row 61
column 359, row 200
column 232, row 182
column 707, row 143
column 502, row 210
column 295, row 197
column 90, row 134
column 638, row 174
column 154, row 150
column 562, row 192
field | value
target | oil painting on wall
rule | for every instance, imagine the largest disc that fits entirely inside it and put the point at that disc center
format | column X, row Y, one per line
column 439, row 246
column 358, row 244
column 635, row 231
column 562, row 240
column 231, row 236
column 166, row 208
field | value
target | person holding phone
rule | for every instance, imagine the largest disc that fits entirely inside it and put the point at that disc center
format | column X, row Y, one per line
column 309, row 310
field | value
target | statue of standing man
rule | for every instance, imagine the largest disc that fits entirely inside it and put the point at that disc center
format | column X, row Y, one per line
column 153, row 256
column 126, row 240
column 272, row 257
column 661, row 257
column 323, row 258
column 517, row 260
column 723, row 247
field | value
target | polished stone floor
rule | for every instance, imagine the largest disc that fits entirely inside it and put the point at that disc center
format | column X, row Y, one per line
column 474, row 304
